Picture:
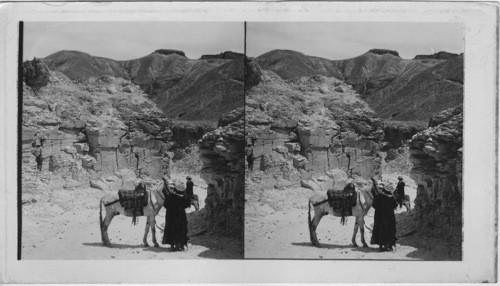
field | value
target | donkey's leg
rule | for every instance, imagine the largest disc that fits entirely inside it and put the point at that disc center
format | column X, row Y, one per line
column 146, row 231
column 355, row 232
column 362, row 230
column 107, row 221
column 152, row 222
column 318, row 214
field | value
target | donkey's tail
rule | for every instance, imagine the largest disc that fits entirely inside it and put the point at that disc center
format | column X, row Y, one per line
column 309, row 221
column 101, row 222
column 310, row 224
column 100, row 212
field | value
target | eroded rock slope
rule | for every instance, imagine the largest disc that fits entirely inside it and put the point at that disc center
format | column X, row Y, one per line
column 94, row 129
column 310, row 127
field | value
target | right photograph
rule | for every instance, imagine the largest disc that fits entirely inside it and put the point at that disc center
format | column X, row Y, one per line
column 354, row 140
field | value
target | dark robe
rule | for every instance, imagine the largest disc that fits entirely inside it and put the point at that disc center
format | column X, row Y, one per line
column 37, row 145
column 175, row 232
column 400, row 192
column 250, row 158
column 384, row 228
column 189, row 189
column 400, row 188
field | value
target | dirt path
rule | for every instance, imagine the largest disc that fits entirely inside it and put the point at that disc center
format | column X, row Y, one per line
column 276, row 227
column 65, row 225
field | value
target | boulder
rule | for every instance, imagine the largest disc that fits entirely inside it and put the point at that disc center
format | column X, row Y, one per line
column 81, row 148
column 111, row 90
column 281, row 149
column 81, row 137
column 339, row 89
column 69, row 149
column 299, row 161
column 101, row 185
column 88, row 162
column 127, row 89
column 323, row 89
column 292, row 147
column 309, row 184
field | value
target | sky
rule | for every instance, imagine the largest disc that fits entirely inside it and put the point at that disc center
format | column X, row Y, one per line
column 331, row 40
column 131, row 40
column 337, row 41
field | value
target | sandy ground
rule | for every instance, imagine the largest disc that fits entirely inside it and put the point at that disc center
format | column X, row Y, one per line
column 64, row 224
column 276, row 227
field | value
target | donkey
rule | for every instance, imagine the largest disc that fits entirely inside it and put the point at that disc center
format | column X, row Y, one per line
column 156, row 198
column 405, row 200
column 321, row 207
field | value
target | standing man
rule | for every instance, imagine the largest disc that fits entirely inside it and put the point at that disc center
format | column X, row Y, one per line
column 400, row 191
column 384, row 227
column 189, row 187
column 250, row 158
column 37, row 145
column 176, row 224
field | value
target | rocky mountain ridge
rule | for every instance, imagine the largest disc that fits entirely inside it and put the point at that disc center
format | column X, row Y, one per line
column 169, row 77
column 394, row 87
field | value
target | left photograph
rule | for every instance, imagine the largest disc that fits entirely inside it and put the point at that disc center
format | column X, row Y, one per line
column 132, row 140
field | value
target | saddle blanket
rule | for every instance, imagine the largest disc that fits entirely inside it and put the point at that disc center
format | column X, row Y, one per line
column 133, row 202
column 341, row 202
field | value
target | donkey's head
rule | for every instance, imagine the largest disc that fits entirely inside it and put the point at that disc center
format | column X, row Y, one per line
column 168, row 185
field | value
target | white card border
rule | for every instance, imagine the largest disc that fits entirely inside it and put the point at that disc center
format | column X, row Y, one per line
column 480, row 143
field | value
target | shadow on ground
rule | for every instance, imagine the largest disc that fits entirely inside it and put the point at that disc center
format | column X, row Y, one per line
column 125, row 246
column 323, row 245
column 219, row 243
column 337, row 246
column 428, row 246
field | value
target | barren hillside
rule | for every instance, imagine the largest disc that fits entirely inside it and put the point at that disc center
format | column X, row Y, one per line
column 185, row 89
column 394, row 87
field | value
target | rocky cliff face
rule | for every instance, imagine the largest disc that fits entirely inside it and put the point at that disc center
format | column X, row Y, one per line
column 310, row 127
column 439, row 55
column 228, row 55
column 436, row 154
column 222, row 152
column 383, row 51
column 96, row 131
